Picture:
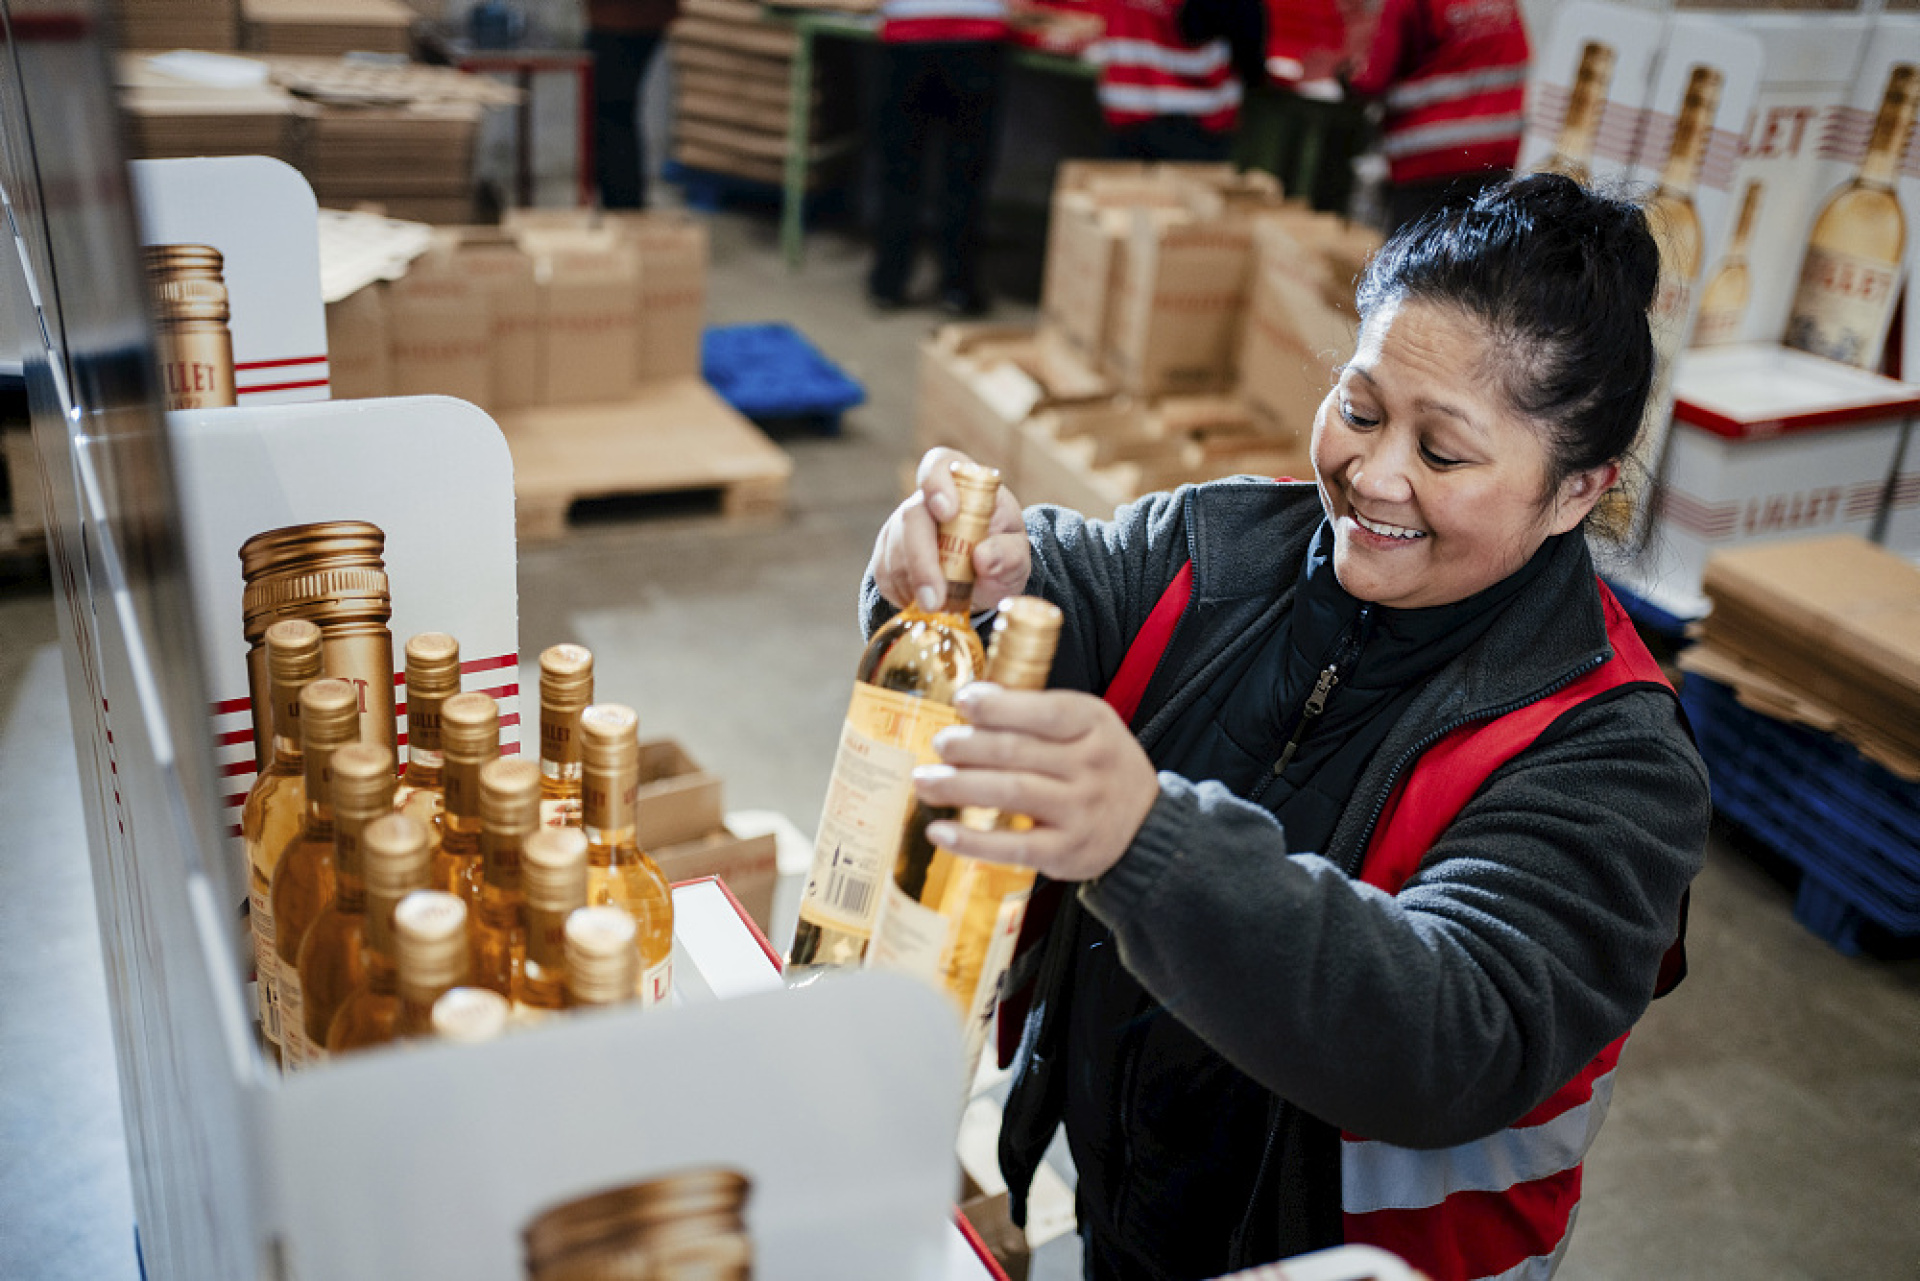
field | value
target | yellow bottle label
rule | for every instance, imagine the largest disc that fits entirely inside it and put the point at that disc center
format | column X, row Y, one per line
column 868, row 799
column 266, row 963
column 911, row 937
column 993, row 970
column 293, row 1020
column 1842, row 306
column 656, row 984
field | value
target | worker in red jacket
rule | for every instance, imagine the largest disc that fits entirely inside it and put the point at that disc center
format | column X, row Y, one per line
column 1173, row 73
column 1453, row 76
column 941, row 66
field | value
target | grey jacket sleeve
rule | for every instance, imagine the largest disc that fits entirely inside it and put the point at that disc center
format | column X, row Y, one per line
column 1528, row 941
column 1105, row 575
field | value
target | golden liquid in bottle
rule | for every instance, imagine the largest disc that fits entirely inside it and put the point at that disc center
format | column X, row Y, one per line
column 191, row 312
column 303, row 880
column 509, row 813
column 1573, row 151
column 1723, row 302
column 332, row 574
column 470, row 737
column 1671, row 214
column 954, row 920
column 396, row 860
column 1849, row 280
column 603, row 957
column 433, row 676
column 566, row 688
column 553, row 879
column 903, row 695
column 276, row 805
column 332, row 956
column 619, row 873
column 430, row 928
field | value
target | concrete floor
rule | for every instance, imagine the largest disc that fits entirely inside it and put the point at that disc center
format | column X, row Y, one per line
column 1767, row 1123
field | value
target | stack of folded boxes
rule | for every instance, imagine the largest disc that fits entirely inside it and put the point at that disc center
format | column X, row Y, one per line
column 175, row 24
column 1191, row 320
column 326, row 28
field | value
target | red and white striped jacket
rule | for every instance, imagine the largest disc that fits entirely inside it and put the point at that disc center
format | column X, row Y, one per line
column 1454, row 75
column 928, row 21
column 1500, row 1207
column 1147, row 70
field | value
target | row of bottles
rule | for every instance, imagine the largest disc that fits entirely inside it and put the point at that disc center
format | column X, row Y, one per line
column 879, row 893
column 336, row 843
column 1847, row 288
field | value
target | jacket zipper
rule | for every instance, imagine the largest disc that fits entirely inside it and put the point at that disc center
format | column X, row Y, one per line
column 1414, row 752
column 1344, row 656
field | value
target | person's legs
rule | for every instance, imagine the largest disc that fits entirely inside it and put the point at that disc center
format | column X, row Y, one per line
column 1169, row 138
column 900, row 141
column 973, row 79
column 620, row 61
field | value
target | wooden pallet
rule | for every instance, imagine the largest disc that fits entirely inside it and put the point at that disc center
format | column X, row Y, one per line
column 673, row 436
column 766, row 75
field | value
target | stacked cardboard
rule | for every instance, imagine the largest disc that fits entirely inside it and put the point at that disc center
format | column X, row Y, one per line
column 1825, row 631
column 176, row 24
column 1191, row 319
column 733, row 71
column 169, row 115
column 326, row 28
column 679, row 820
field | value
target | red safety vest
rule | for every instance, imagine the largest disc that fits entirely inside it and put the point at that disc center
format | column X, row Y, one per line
column 927, row 21
column 1148, row 71
column 1454, row 74
column 1498, row 1207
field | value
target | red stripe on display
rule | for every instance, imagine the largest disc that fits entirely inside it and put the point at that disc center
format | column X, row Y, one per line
column 509, row 720
column 243, row 366
column 504, row 691
column 488, row 664
column 230, row 705
column 233, row 736
column 233, row 829
column 1476, row 1234
column 236, row 767
column 238, row 798
column 299, row 386
column 510, row 749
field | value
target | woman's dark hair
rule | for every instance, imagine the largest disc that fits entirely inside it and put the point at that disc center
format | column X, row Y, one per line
column 1562, row 278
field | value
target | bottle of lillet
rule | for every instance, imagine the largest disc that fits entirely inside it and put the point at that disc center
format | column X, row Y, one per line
column 902, row 696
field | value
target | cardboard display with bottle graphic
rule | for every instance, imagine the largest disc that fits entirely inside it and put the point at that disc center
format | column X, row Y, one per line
column 1587, row 91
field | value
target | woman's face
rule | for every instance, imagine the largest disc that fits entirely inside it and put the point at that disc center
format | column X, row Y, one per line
column 1436, row 487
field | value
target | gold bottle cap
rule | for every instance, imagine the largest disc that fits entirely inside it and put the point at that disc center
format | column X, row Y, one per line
column 1596, row 63
column 979, row 487
column 470, row 1015
column 326, row 571
column 510, row 794
column 609, row 737
column 470, row 727
column 603, row 960
column 1896, row 109
column 553, row 869
column 293, row 651
column 363, row 781
column 433, row 666
column 1025, row 634
column 397, row 855
column 979, row 490
column 430, row 928
column 566, row 676
column 623, row 1218
column 187, row 283
column 329, row 714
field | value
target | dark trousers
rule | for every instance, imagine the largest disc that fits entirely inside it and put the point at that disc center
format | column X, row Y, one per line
column 1409, row 201
column 927, row 89
column 620, row 62
column 1168, row 138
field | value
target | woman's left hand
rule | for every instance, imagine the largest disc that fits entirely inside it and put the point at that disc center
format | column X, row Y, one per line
column 1066, row 760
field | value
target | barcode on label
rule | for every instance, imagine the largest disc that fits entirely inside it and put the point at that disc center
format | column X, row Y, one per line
column 850, row 894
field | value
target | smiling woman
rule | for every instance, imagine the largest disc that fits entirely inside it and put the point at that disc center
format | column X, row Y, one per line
column 1350, row 900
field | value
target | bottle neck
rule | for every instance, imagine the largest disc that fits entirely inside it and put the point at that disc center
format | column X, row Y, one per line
column 461, row 779
column 383, row 976
column 607, row 799
column 1882, row 165
column 286, row 753
column 318, row 768
column 500, row 860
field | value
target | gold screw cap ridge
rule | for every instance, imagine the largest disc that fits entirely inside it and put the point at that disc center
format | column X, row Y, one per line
column 433, row 666
column 979, row 487
column 329, row 713
column 631, row 1214
column 470, row 727
column 603, row 961
column 470, row 1015
column 608, row 737
column 430, row 927
column 553, row 869
column 293, row 650
column 566, row 677
column 396, row 854
column 510, row 794
column 363, row 780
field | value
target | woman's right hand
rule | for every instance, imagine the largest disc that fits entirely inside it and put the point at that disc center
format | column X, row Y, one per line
column 906, row 555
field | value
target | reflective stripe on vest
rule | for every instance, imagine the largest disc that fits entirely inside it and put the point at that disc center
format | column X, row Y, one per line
column 1460, row 84
column 1501, row 1206
column 1147, row 70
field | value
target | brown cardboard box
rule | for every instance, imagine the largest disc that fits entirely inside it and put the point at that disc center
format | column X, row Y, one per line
column 991, row 1218
column 746, row 863
column 359, row 355
column 1291, row 343
column 678, row 801
column 1175, row 327
column 672, row 248
column 501, row 269
column 589, row 304
column 973, row 393
column 23, row 483
column 442, row 332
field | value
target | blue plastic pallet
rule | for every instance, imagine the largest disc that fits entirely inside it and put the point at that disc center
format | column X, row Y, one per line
column 773, row 375
column 1851, row 827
